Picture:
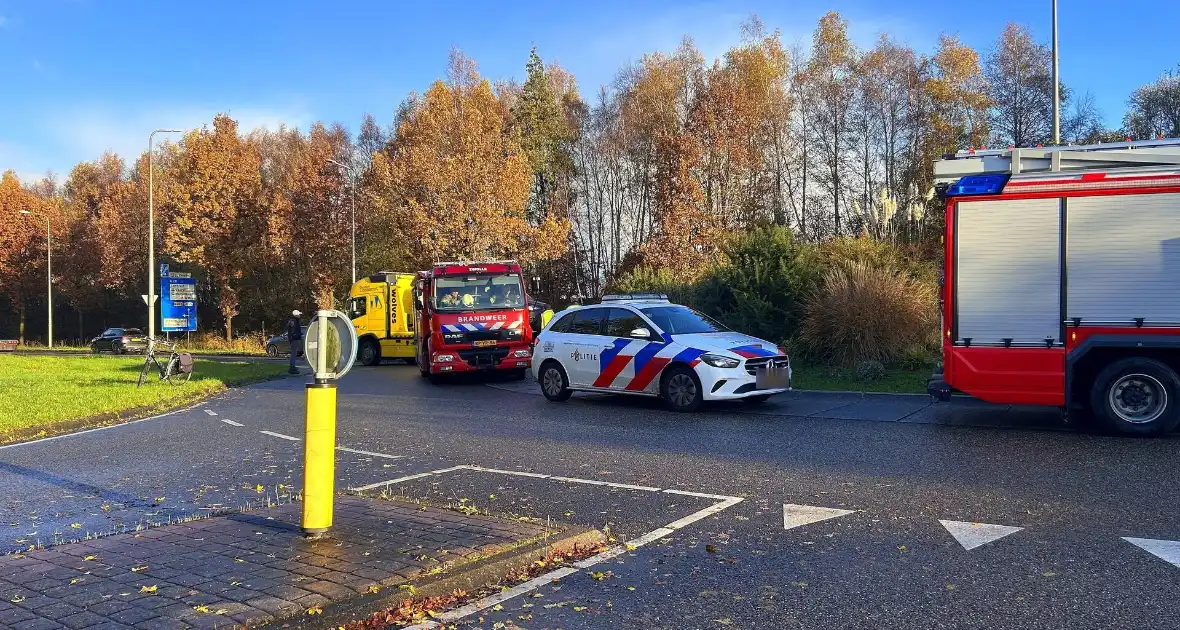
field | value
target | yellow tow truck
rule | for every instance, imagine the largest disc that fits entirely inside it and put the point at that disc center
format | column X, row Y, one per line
column 382, row 310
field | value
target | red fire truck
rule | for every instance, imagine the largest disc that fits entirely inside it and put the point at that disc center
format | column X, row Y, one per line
column 1061, row 283
column 472, row 316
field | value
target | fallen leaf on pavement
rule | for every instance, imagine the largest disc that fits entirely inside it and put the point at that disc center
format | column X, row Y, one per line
column 726, row 621
column 89, row 558
column 148, row 589
column 497, row 608
column 1048, row 574
column 315, row 610
column 710, row 549
column 76, row 525
column 139, row 569
column 579, row 608
column 374, row 589
column 201, row 609
column 18, row 599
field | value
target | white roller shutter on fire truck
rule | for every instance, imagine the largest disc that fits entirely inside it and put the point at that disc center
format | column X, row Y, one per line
column 1008, row 271
column 1123, row 255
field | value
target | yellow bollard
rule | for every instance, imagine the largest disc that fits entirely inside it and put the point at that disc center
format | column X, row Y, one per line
column 319, row 458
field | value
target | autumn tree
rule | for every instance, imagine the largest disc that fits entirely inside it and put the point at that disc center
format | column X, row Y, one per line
column 1020, row 78
column 830, row 76
column 1154, row 109
column 212, row 203
column 22, row 244
column 455, row 185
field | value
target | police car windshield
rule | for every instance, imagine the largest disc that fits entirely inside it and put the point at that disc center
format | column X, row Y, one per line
column 478, row 292
column 681, row 320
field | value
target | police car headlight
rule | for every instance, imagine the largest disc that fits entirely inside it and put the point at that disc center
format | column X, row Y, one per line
column 719, row 361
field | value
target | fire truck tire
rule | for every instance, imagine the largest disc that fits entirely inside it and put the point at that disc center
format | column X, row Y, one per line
column 555, row 385
column 681, row 389
column 1137, row 396
column 370, row 352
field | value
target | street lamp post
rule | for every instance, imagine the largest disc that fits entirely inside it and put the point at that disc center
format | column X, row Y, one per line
column 352, row 195
column 48, row 271
column 151, row 294
column 1056, row 84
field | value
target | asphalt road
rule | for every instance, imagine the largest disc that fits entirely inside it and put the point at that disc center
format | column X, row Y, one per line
column 897, row 465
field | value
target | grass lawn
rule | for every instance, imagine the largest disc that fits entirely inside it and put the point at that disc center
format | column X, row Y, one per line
column 52, row 394
column 896, row 380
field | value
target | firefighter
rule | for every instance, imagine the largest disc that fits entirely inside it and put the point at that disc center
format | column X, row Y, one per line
column 451, row 299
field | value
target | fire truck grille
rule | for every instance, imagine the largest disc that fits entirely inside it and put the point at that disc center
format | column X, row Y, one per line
column 484, row 359
column 752, row 365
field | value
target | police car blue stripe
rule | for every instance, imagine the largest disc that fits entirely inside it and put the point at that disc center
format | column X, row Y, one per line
column 607, row 355
column 646, row 353
column 687, row 355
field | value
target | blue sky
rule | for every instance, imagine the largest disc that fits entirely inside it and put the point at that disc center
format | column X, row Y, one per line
column 82, row 76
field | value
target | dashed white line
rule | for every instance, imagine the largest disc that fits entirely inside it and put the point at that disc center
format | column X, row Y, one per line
column 279, row 435
column 211, row 412
column 369, row 453
column 232, row 423
column 406, row 478
column 518, row 473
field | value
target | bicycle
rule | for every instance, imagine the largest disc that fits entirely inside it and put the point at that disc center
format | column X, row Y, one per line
column 178, row 367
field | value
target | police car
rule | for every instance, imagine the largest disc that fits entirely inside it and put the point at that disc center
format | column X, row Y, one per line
column 645, row 345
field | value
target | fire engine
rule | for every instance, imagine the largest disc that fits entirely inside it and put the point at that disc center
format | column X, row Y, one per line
column 472, row 316
column 1061, row 281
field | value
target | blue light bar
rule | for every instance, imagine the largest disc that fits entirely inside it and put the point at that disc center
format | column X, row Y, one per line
column 978, row 185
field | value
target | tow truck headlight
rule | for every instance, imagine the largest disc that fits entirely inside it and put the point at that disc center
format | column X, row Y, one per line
column 444, row 358
column 719, row 361
column 521, row 353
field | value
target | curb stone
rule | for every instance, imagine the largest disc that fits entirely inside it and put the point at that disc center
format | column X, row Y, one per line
column 469, row 577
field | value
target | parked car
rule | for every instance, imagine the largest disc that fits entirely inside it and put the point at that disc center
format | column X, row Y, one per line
column 279, row 346
column 644, row 345
column 119, row 341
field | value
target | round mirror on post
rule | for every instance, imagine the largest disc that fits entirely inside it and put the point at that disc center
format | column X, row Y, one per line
column 331, row 345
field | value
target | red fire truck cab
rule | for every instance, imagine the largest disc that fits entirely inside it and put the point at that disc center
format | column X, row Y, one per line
column 1061, row 283
column 472, row 317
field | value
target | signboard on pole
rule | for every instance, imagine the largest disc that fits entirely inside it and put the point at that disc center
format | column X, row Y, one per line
column 178, row 301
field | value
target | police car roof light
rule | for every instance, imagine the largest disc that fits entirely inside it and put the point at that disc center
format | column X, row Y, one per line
column 617, row 297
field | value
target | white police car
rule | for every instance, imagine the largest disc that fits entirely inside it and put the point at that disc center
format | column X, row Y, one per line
column 645, row 345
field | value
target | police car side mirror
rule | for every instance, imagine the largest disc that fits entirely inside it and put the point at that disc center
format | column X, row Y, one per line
column 641, row 333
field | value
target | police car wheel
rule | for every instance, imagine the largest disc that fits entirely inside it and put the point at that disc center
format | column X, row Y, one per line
column 681, row 389
column 554, row 384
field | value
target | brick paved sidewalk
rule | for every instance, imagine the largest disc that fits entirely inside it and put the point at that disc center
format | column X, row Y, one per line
column 248, row 568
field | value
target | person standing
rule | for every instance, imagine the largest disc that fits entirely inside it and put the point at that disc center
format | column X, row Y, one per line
column 294, row 338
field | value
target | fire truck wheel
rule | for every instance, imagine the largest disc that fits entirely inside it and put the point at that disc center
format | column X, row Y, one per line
column 681, row 389
column 1137, row 396
column 554, row 384
column 370, row 352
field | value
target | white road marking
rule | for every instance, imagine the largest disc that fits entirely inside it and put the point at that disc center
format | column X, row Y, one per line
column 972, row 535
column 369, row 453
column 798, row 515
column 725, row 502
column 279, row 435
column 211, row 412
column 701, row 495
column 1166, row 550
column 232, row 423
column 106, row 428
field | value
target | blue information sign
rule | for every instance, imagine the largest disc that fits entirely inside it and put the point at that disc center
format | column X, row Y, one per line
column 178, row 301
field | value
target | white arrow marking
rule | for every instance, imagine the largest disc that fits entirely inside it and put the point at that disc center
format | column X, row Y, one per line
column 232, row 423
column 1166, row 550
column 797, row 515
column 972, row 535
column 211, row 412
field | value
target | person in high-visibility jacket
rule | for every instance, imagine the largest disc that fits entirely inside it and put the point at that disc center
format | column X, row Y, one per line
column 546, row 315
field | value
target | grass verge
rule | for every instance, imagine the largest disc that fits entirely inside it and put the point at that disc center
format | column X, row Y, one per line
column 897, row 380
column 47, row 394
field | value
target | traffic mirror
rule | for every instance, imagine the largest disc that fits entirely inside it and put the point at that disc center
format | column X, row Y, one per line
column 330, row 345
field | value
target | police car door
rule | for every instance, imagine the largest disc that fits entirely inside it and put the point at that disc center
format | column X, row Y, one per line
column 622, row 352
column 584, row 344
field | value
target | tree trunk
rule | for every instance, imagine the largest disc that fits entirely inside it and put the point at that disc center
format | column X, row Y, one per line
column 229, row 327
column 22, row 324
column 81, row 335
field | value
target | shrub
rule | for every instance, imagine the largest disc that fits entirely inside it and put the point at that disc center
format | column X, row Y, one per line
column 878, row 255
column 862, row 313
column 762, row 282
column 250, row 343
column 870, row 370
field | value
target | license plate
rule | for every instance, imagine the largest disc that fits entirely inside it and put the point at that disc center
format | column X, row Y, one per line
column 770, row 377
column 483, row 343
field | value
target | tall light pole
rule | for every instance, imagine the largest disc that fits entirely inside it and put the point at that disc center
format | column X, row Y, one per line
column 352, row 194
column 1056, row 84
column 151, row 294
column 48, row 271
